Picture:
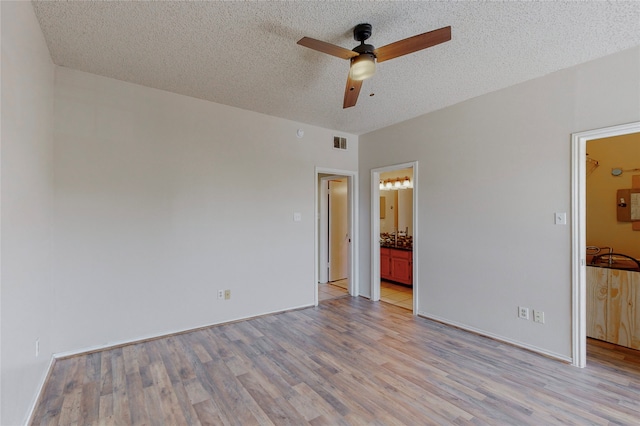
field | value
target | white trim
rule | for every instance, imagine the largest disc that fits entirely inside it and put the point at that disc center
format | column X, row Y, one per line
column 375, row 230
column 352, row 190
column 496, row 337
column 323, row 243
column 323, row 226
column 578, row 234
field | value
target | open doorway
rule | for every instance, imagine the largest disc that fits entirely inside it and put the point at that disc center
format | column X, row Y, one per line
column 335, row 234
column 394, row 235
column 579, row 170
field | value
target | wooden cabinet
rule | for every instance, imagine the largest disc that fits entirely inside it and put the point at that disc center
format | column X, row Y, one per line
column 396, row 265
column 385, row 263
column 613, row 306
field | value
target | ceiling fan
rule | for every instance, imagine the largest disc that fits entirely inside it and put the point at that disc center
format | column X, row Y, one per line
column 363, row 57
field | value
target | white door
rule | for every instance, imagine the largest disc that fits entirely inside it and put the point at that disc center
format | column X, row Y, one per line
column 338, row 230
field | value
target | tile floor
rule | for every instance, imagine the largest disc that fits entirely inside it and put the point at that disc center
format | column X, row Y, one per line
column 397, row 294
column 394, row 294
column 332, row 290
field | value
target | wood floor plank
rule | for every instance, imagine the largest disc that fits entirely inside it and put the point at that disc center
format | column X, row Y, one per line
column 348, row 361
column 208, row 413
column 153, row 404
column 106, row 376
column 187, row 359
column 229, row 394
column 105, row 405
column 278, row 409
column 171, row 411
column 70, row 410
column 135, row 391
column 121, row 413
column 90, row 403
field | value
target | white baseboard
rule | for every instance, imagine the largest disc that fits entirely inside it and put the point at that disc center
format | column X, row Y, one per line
column 523, row 345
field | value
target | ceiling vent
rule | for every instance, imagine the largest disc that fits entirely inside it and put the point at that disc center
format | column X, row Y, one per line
column 339, row 143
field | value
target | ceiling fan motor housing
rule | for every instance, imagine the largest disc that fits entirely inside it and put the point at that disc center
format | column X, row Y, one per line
column 364, row 48
column 362, row 32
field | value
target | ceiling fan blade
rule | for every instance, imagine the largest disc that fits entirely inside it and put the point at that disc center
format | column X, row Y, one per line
column 351, row 92
column 412, row 44
column 324, row 47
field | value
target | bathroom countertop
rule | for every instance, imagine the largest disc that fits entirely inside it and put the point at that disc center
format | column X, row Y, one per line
column 391, row 246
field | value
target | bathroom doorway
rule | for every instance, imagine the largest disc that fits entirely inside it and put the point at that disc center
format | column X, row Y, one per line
column 396, row 237
column 579, row 168
column 394, row 233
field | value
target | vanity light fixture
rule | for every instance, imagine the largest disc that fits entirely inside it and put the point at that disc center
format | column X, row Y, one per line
column 396, row 183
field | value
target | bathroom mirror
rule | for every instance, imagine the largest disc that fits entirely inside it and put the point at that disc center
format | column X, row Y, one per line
column 396, row 202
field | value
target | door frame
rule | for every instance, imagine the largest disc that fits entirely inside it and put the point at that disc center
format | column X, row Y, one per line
column 579, row 231
column 352, row 217
column 375, row 230
column 324, row 254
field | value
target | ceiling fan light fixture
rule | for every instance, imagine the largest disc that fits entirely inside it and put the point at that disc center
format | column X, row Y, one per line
column 363, row 66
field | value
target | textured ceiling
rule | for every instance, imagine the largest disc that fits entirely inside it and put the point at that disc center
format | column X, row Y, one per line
column 244, row 54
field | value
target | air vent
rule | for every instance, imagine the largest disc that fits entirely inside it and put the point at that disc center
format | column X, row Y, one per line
column 339, row 143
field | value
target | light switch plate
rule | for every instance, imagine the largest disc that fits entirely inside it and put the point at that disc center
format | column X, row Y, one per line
column 560, row 218
column 297, row 217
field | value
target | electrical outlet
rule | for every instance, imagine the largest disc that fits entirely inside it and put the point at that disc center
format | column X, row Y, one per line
column 37, row 347
column 220, row 294
column 538, row 316
column 523, row 312
column 227, row 294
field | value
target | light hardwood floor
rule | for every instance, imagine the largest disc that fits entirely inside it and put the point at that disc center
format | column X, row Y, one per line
column 347, row 361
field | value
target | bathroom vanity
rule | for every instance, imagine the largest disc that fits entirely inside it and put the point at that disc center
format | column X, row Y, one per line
column 396, row 264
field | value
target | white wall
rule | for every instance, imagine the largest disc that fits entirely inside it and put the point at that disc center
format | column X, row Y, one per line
column 162, row 199
column 493, row 170
column 25, row 218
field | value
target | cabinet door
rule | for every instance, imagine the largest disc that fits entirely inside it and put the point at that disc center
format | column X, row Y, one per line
column 623, row 316
column 385, row 264
column 401, row 270
column 597, row 295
